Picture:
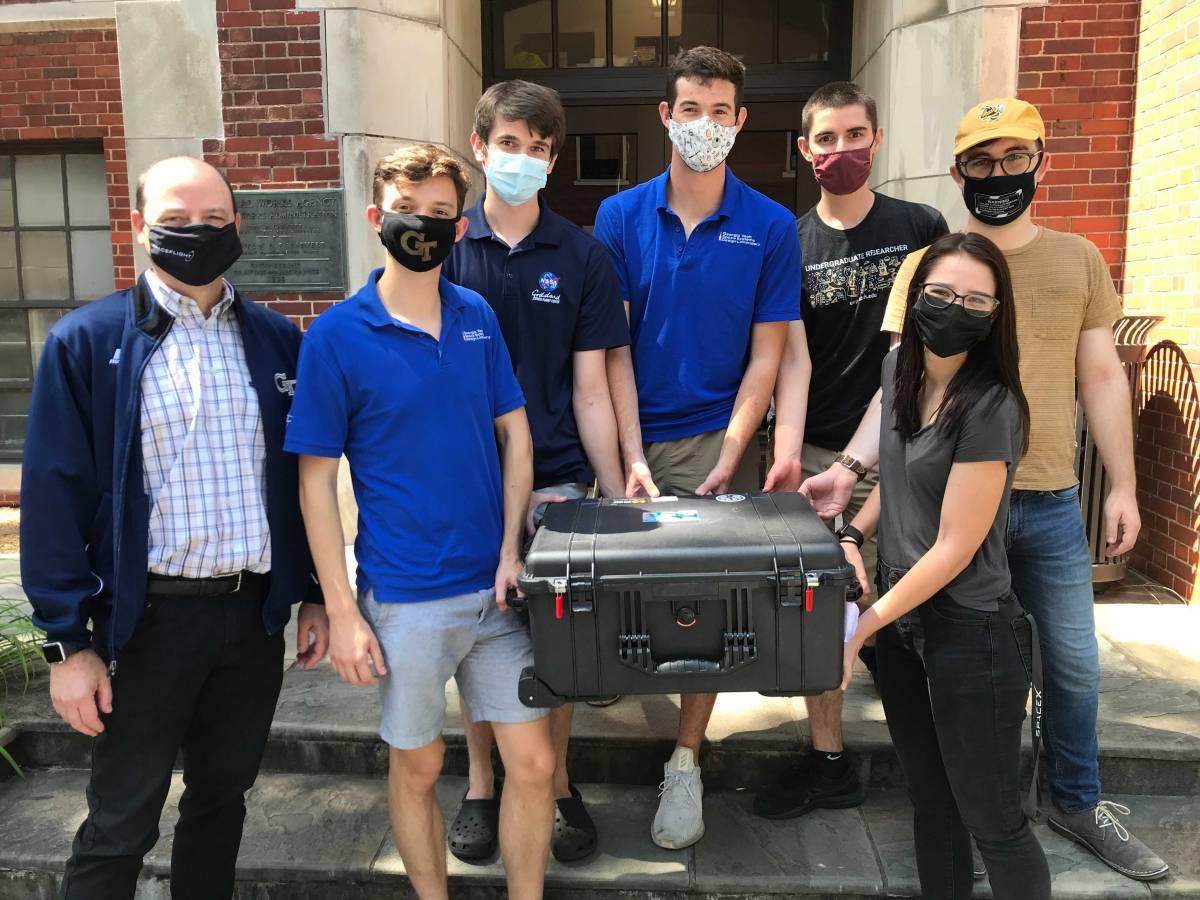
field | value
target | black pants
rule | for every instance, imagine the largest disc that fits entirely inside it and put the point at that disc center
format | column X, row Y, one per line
column 954, row 684
column 201, row 676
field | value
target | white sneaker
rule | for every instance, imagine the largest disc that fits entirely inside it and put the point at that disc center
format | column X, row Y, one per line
column 679, row 821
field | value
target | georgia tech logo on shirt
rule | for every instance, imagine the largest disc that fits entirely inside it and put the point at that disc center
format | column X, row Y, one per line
column 548, row 282
column 732, row 237
column 476, row 334
column 285, row 385
column 414, row 244
column 991, row 112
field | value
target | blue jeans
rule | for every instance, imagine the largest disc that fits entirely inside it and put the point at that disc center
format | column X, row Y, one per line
column 1052, row 575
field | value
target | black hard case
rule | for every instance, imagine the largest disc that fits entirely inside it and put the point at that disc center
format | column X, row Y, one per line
column 686, row 595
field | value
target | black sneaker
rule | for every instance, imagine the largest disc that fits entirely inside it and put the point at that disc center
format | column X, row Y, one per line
column 1100, row 831
column 978, row 869
column 804, row 788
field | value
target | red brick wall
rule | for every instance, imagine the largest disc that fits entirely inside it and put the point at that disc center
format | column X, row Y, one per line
column 65, row 86
column 1078, row 65
column 273, row 103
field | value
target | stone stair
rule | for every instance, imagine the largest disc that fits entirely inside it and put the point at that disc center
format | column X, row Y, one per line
column 318, row 821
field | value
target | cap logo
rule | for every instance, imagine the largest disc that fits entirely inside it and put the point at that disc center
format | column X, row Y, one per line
column 991, row 112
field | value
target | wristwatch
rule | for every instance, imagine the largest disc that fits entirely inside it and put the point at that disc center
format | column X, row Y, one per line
column 852, row 464
column 849, row 533
column 57, row 651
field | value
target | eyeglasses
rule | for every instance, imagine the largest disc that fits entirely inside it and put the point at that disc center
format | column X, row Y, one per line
column 939, row 296
column 1018, row 162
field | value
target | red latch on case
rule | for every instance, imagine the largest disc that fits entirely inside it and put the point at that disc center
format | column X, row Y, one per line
column 558, row 606
column 808, row 599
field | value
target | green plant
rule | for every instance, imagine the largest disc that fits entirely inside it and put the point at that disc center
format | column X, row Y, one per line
column 20, row 658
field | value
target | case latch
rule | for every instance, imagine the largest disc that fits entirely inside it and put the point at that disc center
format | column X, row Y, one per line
column 581, row 594
column 796, row 588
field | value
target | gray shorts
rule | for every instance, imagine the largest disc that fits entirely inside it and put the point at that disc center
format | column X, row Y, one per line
column 425, row 644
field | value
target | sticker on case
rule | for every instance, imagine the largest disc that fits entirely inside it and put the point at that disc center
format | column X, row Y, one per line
column 730, row 498
column 665, row 517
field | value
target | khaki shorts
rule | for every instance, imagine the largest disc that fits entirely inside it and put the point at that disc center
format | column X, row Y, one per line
column 814, row 461
column 680, row 466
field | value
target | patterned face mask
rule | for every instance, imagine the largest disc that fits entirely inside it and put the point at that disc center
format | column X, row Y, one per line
column 702, row 144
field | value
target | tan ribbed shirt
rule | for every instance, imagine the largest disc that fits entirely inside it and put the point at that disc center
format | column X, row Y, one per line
column 1061, row 287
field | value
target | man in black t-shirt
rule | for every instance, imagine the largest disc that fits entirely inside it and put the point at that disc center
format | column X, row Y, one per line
column 853, row 242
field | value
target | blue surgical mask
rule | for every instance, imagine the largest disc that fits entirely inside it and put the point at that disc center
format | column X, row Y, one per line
column 515, row 177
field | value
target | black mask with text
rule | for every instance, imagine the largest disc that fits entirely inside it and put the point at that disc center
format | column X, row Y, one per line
column 419, row 243
column 195, row 254
column 999, row 199
column 949, row 331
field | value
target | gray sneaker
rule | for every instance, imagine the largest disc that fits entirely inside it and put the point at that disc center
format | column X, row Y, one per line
column 679, row 821
column 1100, row 831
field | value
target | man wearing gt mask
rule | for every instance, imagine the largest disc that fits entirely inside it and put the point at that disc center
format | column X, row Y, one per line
column 710, row 271
column 1066, row 307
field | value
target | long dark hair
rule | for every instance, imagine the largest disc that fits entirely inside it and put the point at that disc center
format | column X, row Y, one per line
column 989, row 364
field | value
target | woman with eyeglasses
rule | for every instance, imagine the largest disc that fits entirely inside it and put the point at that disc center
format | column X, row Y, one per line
column 954, row 648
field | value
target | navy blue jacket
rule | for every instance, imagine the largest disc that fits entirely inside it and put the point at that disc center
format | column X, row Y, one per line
column 85, row 515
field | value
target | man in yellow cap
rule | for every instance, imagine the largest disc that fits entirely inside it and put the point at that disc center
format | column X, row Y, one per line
column 1066, row 307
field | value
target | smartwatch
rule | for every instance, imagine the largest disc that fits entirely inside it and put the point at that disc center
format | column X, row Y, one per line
column 849, row 533
column 57, row 651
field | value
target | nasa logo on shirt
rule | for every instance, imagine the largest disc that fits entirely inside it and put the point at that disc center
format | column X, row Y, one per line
column 548, row 283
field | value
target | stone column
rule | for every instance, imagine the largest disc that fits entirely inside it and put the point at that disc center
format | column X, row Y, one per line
column 927, row 62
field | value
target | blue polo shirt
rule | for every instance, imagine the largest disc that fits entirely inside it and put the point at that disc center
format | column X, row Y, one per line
column 694, row 302
column 555, row 295
column 414, row 416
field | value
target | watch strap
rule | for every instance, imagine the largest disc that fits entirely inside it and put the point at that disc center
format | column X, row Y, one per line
column 851, row 463
column 849, row 532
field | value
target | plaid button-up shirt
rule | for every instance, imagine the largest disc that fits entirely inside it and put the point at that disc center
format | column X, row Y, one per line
column 202, row 445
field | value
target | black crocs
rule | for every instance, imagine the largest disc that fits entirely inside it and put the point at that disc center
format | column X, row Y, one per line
column 574, row 831
column 474, row 834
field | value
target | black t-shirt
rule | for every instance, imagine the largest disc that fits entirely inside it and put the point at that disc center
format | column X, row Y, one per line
column 912, row 482
column 847, row 277
column 555, row 294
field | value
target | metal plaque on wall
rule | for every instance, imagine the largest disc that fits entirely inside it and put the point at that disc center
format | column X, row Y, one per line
column 291, row 241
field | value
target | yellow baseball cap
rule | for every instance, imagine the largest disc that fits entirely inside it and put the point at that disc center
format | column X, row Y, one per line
column 1006, row 117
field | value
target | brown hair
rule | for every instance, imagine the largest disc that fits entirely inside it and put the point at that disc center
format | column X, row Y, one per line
column 994, row 362
column 417, row 163
column 523, row 101
column 838, row 95
column 707, row 64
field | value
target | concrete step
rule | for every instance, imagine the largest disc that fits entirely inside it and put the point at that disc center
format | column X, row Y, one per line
column 1149, row 724
column 312, row 837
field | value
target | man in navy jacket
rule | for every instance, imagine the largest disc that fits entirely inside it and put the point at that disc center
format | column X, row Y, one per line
column 162, row 543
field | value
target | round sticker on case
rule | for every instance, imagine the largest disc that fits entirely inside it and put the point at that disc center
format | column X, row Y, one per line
column 730, row 498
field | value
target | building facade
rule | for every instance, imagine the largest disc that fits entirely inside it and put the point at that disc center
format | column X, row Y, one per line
column 304, row 95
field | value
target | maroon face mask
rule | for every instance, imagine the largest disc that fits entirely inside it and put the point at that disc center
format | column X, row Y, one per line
column 842, row 171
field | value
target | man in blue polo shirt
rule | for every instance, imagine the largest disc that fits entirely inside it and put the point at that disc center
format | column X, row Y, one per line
column 710, row 270
column 410, row 379
column 552, row 287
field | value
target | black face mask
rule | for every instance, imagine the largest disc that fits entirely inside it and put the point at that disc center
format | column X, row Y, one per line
column 195, row 254
column 999, row 199
column 949, row 331
column 419, row 243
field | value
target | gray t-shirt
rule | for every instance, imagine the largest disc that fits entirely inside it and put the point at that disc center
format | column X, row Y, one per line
column 912, row 481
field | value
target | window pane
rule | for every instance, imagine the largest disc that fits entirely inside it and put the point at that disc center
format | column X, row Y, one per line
column 691, row 23
column 804, row 31
column 637, row 33
column 8, row 266
column 39, row 190
column 14, row 347
column 765, row 161
column 525, row 25
column 44, row 265
column 582, row 33
column 40, row 321
column 14, row 409
column 6, row 210
column 590, row 168
column 748, row 30
column 92, row 264
column 87, row 189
